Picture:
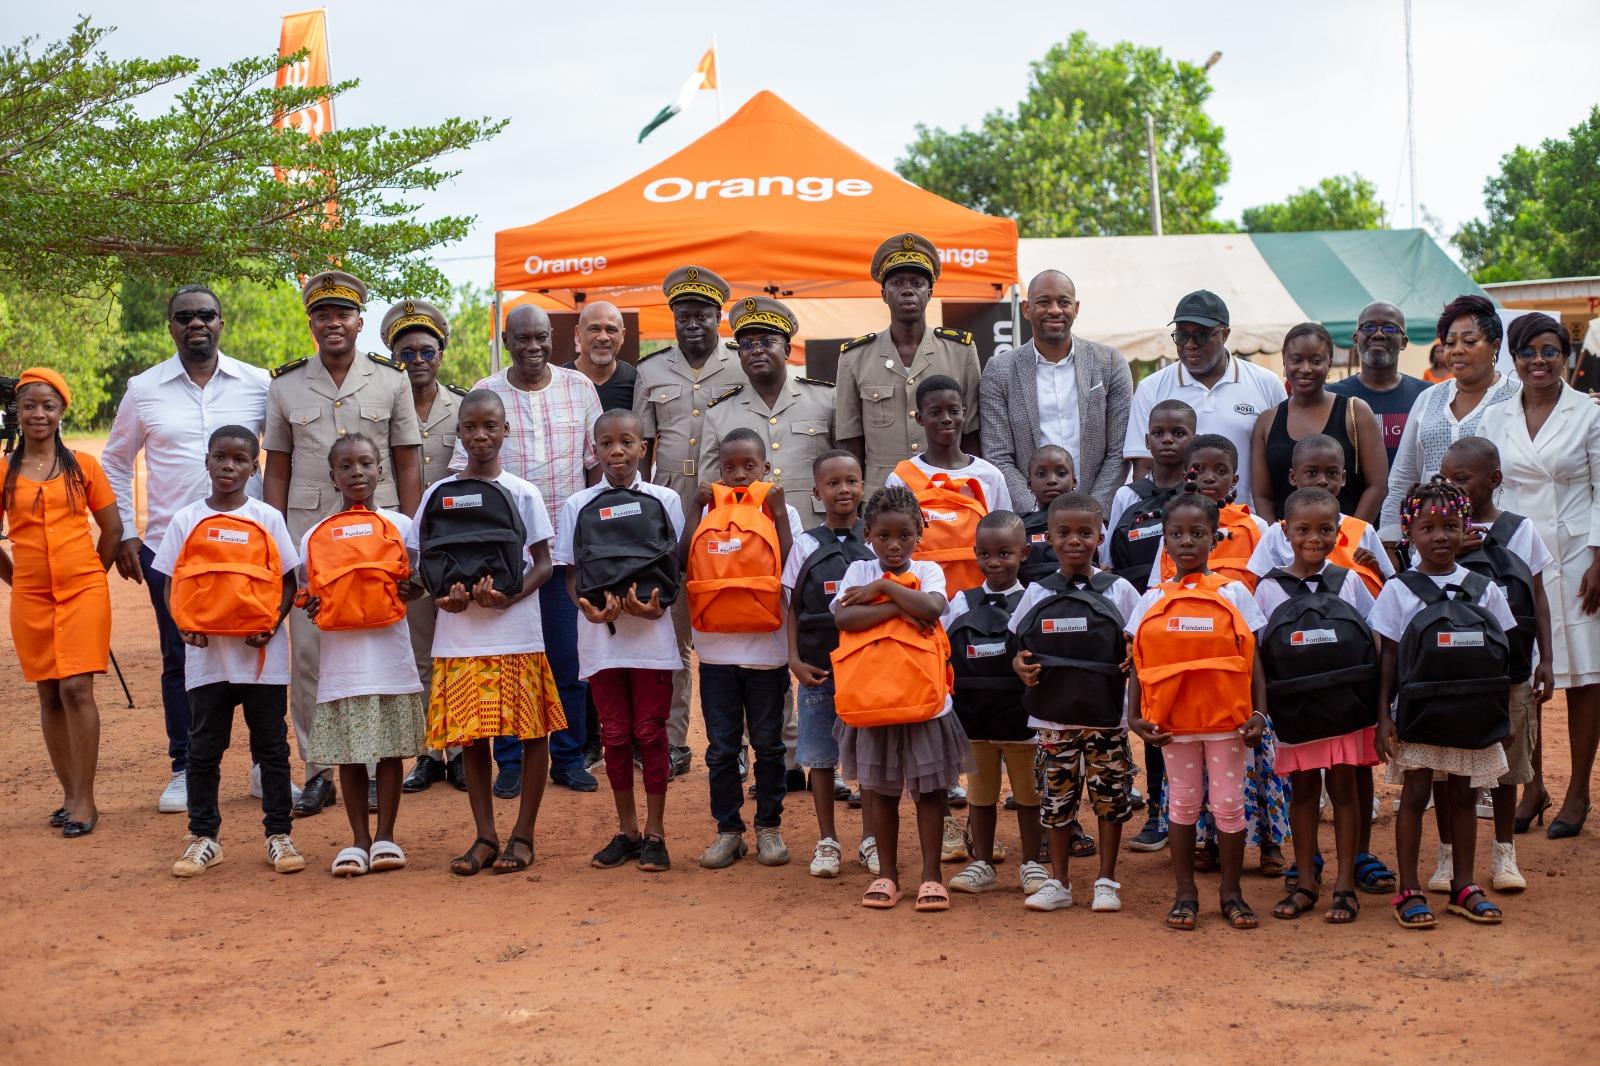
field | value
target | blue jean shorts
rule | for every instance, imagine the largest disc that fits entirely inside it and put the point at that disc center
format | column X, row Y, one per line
column 817, row 749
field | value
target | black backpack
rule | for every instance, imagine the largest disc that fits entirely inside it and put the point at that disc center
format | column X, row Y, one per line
column 988, row 692
column 622, row 537
column 470, row 528
column 1453, row 686
column 1136, row 538
column 816, row 635
column 1075, row 634
column 1495, row 561
column 1320, row 661
column 1041, row 560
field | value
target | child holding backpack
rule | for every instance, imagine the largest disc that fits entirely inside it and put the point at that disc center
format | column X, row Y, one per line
column 369, row 705
column 1072, row 650
column 237, row 654
column 896, row 728
column 618, row 541
column 484, row 539
column 1444, row 667
column 734, row 557
column 1321, row 666
column 811, row 578
column 1198, row 689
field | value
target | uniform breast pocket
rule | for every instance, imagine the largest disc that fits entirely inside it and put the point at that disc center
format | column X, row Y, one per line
column 305, row 418
column 814, row 430
column 663, row 396
column 877, row 406
column 375, row 421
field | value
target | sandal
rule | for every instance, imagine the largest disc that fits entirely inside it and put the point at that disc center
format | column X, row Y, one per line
column 1290, row 905
column 469, row 864
column 1080, row 845
column 932, row 896
column 1372, row 875
column 351, row 862
column 1291, row 876
column 1239, row 914
column 1412, row 911
column 1346, row 905
column 386, row 855
column 1483, row 912
column 507, row 863
column 1183, row 913
column 1272, row 864
column 882, row 895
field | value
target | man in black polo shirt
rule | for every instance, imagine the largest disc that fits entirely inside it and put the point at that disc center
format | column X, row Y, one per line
column 1379, row 337
column 599, row 336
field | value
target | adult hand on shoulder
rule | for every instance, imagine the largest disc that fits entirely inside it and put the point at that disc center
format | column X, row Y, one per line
column 455, row 601
column 484, row 594
column 638, row 608
column 1026, row 668
column 128, row 560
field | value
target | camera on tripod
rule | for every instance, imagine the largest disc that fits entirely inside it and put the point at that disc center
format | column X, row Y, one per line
column 8, row 414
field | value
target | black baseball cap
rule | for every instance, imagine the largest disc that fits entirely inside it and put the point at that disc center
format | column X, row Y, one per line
column 1203, row 308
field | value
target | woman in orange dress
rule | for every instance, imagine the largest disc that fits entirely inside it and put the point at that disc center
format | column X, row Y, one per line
column 60, row 602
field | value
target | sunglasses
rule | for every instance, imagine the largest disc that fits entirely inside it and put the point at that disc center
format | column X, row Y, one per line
column 769, row 342
column 1388, row 329
column 183, row 318
column 1549, row 351
column 412, row 355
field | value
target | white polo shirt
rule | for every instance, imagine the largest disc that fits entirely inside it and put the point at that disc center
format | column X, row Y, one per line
column 1229, row 408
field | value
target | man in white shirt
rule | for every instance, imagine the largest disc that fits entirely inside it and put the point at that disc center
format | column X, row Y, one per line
column 169, row 412
column 1226, row 392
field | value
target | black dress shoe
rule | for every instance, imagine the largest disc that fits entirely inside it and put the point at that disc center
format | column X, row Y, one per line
column 58, row 817
column 318, row 793
column 678, row 760
column 71, row 829
column 795, row 780
column 455, row 771
column 423, row 775
column 508, row 783
column 578, row 780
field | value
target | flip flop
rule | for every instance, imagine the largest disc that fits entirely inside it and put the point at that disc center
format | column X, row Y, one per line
column 351, row 862
column 932, row 896
column 882, row 895
column 386, row 855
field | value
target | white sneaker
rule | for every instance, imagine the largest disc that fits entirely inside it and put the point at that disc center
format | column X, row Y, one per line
column 1445, row 872
column 825, row 860
column 1053, row 896
column 955, row 841
column 867, row 855
column 175, row 797
column 1034, row 875
column 283, row 855
column 1105, row 895
column 1506, row 877
column 201, row 855
column 977, row 877
column 255, row 784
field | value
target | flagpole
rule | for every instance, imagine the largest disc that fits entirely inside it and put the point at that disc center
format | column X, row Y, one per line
column 716, row 64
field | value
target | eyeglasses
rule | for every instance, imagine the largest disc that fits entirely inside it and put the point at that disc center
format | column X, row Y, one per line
column 769, row 342
column 1549, row 351
column 183, row 318
column 411, row 355
column 1186, row 339
column 1388, row 329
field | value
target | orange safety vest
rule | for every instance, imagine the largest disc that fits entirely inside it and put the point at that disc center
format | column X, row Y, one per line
column 1194, row 654
column 1350, row 530
column 951, row 506
column 353, row 561
column 735, row 564
column 892, row 673
column 228, row 581
column 1237, row 537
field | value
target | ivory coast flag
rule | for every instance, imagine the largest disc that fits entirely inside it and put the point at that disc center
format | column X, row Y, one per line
column 703, row 77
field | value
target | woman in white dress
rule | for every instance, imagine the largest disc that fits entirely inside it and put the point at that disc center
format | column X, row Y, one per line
column 1549, row 441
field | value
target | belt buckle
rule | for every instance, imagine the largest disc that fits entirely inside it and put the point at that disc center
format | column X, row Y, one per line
column 690, row 468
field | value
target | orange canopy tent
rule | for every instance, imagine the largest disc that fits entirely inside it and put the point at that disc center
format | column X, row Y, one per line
column 768, row 200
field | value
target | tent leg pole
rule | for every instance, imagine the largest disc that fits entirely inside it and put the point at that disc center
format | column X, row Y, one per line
column 494, row 336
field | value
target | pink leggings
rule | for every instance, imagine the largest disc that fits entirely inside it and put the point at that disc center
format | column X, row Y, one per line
column 1222, row 763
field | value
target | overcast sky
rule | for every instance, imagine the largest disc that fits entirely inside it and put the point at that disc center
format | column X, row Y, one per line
column 1304, row 89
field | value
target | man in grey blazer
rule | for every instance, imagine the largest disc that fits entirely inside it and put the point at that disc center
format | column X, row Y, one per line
column 1056, row 389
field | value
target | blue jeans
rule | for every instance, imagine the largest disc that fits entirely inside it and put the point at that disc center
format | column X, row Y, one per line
column 816, row 747
column 174, row 700
column 732, row 700
column 559, row 615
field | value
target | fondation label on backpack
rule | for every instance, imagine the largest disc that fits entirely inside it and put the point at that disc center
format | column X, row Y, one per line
column 353, row 561
column 1136, row 539
column 817, row 583
column 228, row 580
column 893, row 673
column 1075, row 637
column 951, row 506
column 623, row 537
column 1320, row 660
column 471, row 528
column 986, row 690
column 1454, row 688
column 1194, row 653
column 734, row 566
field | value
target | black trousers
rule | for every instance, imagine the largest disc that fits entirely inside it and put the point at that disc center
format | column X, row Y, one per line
column 266, row 709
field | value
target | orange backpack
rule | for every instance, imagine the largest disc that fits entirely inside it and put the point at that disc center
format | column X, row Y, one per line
column 734, row 564
column 228, row 581
column 1344, row 553
column 951, row 507
column 1194, row 653
column 352, row 563
column 1237, row 537
column 893, row 673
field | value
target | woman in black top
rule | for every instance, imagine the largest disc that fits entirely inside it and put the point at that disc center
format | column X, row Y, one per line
column 1311, row 408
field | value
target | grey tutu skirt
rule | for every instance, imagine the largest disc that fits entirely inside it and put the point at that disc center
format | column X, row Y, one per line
column 889, row 759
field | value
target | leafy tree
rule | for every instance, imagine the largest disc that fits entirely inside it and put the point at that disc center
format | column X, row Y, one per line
column 78, row 337
column 1340, row 202
column 466, row 361
column 91, row 192
column 1071, row 160
column 1541, row 219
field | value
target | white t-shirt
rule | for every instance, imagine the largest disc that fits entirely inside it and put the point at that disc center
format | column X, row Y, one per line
column 638, row 643
column 956, row 606
column 229, row 658
column 1261, row 527
column 365, row 662
column 995, row 493
column 1274, row 550
column 1525, row 544
column 479, row 631
column 930, row 578
column 1121, row 594
column 1229, row 408
column 757, row 651
column 1396, row 605
column 1270, row 595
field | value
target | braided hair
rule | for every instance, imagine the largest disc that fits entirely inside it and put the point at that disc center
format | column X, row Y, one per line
column 1437, row 496
column 896, row 499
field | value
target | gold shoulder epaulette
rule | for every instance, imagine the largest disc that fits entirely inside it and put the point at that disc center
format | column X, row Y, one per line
column 817, row 381
column 457, row 389
column 384, row 360
column 652, row 355
column 858, row 342
column 279, row 371
column 732, row 346
column 731, row 392
column 959, row 335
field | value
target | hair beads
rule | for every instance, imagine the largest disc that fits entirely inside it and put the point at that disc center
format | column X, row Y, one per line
column 1437, row 497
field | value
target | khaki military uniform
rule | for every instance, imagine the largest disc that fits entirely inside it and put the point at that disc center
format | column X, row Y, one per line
column 797, row 428
column 876, row 397
column 438, row 443
column 306, row 414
